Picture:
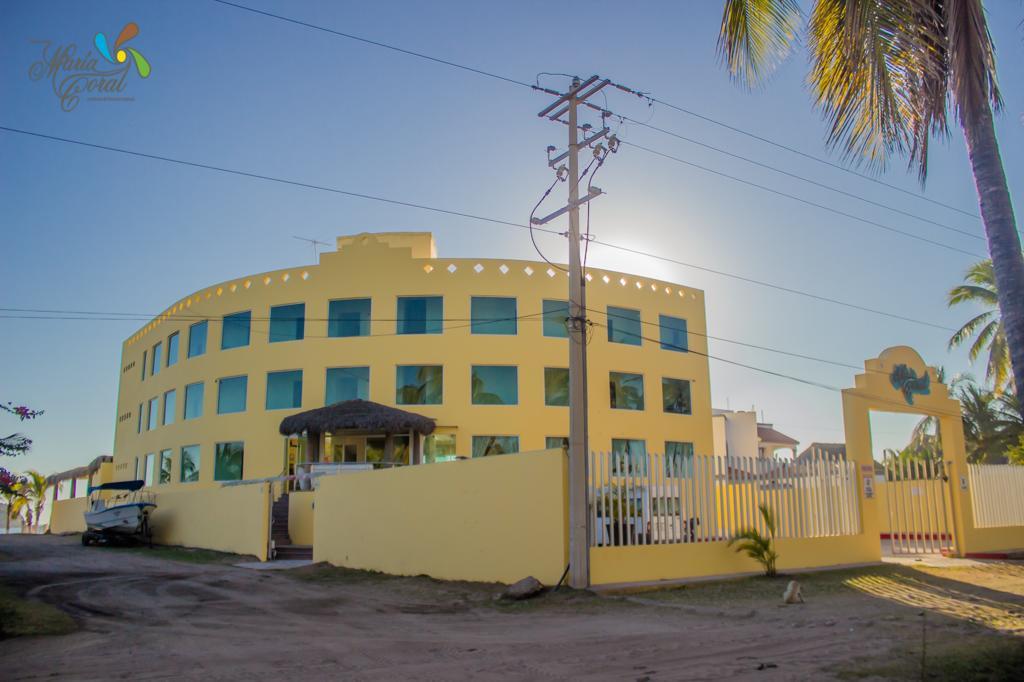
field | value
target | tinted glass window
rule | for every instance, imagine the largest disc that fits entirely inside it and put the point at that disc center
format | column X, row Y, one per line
column 493, row 315
column 555, row 313
column 439, row 447
column 172, row 349
column 231, row 394
column 349, row 317
column 556, row 386
column 165, row 466
column 158, row 358
column 626, row 390
column 678, row 459
column 673, row 333
column 624, row 326
column 495, row 385
column 418, row 384
column 235, row 330
column 347, row 383
column 228, row 461
column 420, row 314
column 284, row 389
column 197, row 339
column 194, row 400
column 287, row 322
column 170, row 401
column 629, row 456
column 485, row 446
column 154, row 413
column 190, row 464
column 555, row 442
column 675, row 396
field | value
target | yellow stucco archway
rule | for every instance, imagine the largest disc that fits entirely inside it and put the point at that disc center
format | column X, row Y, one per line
column 898, row 380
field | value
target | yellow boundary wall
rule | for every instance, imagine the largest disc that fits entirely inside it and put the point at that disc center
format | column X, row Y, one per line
column 230, row 519
column 300, row 517
column 616, row 565
column 67, row 516
column 494, row 519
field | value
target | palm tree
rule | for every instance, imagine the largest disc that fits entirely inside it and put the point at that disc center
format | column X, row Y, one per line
column 986, row 328
column 881, row 72
column 34, row 488
column 14, row 501
column 760, row 548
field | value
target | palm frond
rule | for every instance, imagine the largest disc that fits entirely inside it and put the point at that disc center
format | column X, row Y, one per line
column 964, row 293
column 972, row 59
column 756, row 36
column 997, row 370
column 985, row 337
column 961, row 335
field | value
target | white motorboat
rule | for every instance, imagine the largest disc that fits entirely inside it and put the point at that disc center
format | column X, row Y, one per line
column 125, row 512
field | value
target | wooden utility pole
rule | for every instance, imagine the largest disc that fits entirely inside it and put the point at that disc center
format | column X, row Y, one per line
column 579, row 549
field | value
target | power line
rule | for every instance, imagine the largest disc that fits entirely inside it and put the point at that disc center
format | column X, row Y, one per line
column 812, row 157
column 646, row 96
column 625, row 249
column 866, row 221
column 375, row 43
column 781, row 375
column 796, row 176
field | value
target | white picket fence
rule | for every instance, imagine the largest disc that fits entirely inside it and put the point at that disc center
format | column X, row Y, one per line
column 657, row 499
column 997, row 494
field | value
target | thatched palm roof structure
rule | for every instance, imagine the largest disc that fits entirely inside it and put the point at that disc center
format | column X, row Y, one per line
column 356, row 415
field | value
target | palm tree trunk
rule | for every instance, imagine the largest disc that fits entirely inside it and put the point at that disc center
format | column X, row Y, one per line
column 1001, row 230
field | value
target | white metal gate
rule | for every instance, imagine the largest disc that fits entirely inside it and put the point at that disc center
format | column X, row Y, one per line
column 919, row 505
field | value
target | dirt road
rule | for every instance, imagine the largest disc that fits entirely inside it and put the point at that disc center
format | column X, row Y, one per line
column 142, row 617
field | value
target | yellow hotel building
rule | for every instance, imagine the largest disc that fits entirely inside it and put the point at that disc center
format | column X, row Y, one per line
column 478, row 345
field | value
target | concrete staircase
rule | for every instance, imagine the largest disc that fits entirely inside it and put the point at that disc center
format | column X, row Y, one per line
column 283, row 547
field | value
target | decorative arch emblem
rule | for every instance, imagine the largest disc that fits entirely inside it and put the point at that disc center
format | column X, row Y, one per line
column 905, row 380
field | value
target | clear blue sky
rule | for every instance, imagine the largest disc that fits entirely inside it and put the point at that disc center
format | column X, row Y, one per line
column 84, row 229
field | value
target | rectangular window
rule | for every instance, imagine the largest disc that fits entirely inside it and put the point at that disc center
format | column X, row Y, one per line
column 154, row 413
column 170, row 400
column 231, row 394
column 197, row 339
column 139, row 429
column 149, row 470
column 158, row 359
column 629, row 456
column 348, row 317
column 556, row 442
column 419, row 384
column 165, row 466
column 495, row 385
column 678, row 459
column 228, row 461
column 420, row 314
column 234, row 330
column 376, row 450
column 137, row 475
column 284, row 390
column 485, row 446
column 439, row 447
column 556, row 386
column 190, row 464
column 172, row 349
column 194, row 400
column 673, row 333
column 555, row 314
column 624, row 326
column 675, row 396
column 288, row 322
column 492, row 315
column 145, row 361
column 626, row 390
column 347, row 383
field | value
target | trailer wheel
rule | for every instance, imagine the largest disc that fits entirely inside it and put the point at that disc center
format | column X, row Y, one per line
column 86, row 539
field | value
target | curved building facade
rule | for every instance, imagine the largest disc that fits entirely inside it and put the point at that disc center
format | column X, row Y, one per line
column 478, row 345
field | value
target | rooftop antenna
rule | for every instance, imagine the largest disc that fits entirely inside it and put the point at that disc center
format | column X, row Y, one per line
column 312, row 242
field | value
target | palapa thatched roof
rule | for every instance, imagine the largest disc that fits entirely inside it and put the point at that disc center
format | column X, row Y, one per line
column 356, row 415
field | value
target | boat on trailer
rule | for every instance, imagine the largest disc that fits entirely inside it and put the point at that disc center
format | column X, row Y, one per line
column 118, row 511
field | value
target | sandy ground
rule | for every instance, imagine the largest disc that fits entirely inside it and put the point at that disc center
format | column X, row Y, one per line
column 142, row 617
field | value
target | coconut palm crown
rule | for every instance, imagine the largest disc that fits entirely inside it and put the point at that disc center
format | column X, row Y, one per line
column 882, row 73
column 986, row 328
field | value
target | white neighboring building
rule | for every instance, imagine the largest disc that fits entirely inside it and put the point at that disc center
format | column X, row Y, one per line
column 737, row 432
